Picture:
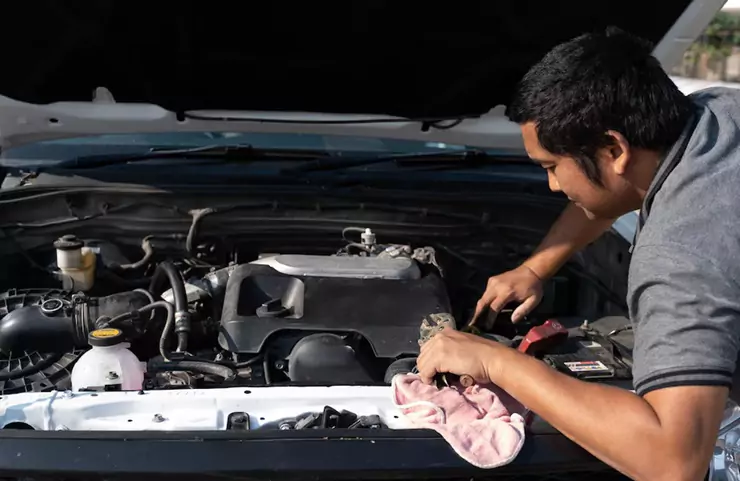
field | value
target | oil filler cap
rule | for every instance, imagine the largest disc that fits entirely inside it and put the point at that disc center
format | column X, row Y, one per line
column 109, row 336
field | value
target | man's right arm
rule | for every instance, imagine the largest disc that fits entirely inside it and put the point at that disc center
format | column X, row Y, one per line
column 570, row 233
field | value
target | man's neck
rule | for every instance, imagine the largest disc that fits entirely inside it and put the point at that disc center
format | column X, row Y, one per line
column 645, row 166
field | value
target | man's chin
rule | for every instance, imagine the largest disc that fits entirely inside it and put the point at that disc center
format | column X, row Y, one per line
column 608, row 210
column 590, row 215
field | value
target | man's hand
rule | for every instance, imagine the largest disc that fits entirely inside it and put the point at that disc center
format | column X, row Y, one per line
column 457, row 353
column 667, row 435
column 517, row 285
column 572, row 231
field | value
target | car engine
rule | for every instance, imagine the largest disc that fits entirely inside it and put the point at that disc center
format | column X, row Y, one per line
column 348, row 318
column 96, row 321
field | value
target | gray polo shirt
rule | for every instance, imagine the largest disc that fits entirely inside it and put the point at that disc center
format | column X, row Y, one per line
column 684, row 280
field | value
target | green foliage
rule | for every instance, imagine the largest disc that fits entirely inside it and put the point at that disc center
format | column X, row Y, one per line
column 720, row 36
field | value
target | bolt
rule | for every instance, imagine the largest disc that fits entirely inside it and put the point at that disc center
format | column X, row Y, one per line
column 280, row 364
column 158, row 418
column 285, row 426
column 112, row 376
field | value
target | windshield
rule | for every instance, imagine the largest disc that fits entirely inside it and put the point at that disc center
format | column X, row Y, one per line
column 58, row 150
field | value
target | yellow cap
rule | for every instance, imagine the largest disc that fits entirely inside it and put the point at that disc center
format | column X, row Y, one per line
column 109, row 336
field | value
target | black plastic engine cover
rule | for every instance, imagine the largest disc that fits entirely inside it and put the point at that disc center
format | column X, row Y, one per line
column 260, row 302
column 327, row 358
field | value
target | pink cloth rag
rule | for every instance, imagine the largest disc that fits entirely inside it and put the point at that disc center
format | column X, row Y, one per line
column 475, row 421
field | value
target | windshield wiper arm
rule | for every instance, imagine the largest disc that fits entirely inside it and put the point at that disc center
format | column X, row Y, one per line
column 222, row 152
column 414, row 158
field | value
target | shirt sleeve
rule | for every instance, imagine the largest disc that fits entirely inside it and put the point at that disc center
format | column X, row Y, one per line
column 686, row 315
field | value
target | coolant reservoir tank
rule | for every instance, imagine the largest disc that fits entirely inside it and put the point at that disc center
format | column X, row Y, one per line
column 76, row 263
column 108, row 365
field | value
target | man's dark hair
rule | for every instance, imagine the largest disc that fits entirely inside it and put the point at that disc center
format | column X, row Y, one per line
column 598, row 82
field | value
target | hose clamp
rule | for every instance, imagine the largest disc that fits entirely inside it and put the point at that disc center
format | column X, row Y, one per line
column 182, row 321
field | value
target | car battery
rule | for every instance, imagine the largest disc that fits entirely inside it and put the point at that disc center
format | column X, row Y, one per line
column 587, row 357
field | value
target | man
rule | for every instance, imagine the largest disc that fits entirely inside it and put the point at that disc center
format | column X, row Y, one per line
column 616, row 135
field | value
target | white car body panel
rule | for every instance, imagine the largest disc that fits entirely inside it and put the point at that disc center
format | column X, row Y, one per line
column 190, row 410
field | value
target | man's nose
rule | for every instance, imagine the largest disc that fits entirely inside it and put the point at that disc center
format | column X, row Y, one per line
column 553, row 182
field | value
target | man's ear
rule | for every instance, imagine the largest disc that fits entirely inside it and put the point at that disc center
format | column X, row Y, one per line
column 618, row 153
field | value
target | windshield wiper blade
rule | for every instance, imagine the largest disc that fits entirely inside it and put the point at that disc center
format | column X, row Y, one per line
column 410, row 159
column 225, row 153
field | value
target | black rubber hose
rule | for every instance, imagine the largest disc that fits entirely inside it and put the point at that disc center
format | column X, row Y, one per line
column 203, row 367
column 248, row 362
column 193, row 231
column 104, row 321
column 156, row 288
column 182, row 341
column 266, row 369
column 182, row 317
column 146, row 246
column 167, row 327
column 182, row 338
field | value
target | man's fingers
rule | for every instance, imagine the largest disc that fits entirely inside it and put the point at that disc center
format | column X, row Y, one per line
column 478, row 309
column 427, row 361
column 427, row 377
column 426, row 369
column 524, row 308
column 483, row 303
column 499, row 302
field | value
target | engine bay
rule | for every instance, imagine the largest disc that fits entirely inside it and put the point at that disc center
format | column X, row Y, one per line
column 279, row 319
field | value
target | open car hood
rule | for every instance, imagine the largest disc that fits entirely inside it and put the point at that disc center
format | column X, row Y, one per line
column 386, row 69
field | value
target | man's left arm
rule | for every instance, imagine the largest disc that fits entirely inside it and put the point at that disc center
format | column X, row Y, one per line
column 667, row 435
column 686, row 345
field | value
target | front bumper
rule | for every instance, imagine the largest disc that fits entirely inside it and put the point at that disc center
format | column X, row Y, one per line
column 278, row 455
column 185, row 434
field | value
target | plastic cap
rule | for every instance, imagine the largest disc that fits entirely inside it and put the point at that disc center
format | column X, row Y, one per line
column 109, row 336
column 368, row 237
column 68, row 242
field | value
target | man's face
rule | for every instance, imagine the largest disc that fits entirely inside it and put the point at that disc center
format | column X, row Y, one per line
column 564, row 175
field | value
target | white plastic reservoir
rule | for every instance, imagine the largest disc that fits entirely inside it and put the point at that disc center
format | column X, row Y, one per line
column 108, row 365
column 76, row 263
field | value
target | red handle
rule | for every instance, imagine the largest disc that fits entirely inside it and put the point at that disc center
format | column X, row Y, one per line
column 539, row 338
